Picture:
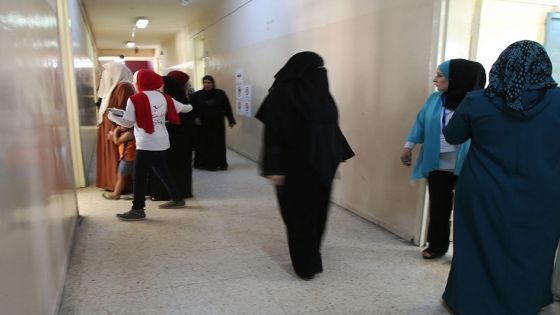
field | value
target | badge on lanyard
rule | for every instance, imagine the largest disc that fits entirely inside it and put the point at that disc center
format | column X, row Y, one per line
column 444, row 146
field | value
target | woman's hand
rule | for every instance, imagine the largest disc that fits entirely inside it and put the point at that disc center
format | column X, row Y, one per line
column 406, row 157
column 276, row 180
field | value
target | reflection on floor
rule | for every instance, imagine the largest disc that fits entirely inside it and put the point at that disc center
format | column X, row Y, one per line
column 226, row 253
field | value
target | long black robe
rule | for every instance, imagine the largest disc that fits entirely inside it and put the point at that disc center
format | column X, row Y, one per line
column 303, row 142
column 179, row 155
column 210, row 148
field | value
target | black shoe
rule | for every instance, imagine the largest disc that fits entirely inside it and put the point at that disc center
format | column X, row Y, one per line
column 132, row 215
column 306, row 277
column 429, row 253
column 173, row 204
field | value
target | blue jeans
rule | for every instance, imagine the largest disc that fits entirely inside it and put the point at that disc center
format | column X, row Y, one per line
column 143, row 162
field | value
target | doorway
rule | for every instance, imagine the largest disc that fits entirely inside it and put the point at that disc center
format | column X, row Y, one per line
column 200, row 63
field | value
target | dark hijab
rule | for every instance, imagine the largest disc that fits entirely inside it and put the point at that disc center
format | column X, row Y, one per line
column 305, row 75
column 172, row 88
column 464, row 76
column 211, row 79
column 522, row 66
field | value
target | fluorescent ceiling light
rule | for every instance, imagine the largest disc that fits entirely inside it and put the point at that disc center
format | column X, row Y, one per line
column 130, row 44
column 142, row 22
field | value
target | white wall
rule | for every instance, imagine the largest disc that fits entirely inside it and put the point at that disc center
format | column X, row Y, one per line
column 38, row 202
column 380, row 55
column 503, row 22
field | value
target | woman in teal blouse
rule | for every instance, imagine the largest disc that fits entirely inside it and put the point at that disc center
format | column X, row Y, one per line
column 438, row 161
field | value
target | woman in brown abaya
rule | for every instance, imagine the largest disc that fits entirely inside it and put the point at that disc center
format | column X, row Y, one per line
column 115, row 89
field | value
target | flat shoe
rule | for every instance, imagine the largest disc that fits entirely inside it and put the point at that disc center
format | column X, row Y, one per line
column 430, row 254
column 108, row 196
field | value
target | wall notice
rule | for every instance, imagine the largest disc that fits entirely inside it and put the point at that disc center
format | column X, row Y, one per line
column 244, row 97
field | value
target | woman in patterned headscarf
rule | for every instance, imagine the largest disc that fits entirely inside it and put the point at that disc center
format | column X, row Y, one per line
column 507, row 219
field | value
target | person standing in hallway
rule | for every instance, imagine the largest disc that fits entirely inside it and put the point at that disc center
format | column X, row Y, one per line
column 114, row 89
column 183, row 81
column 210, row 107
column 507, row 218
column 124, row 138
column 147, row 111
column 302, row 148
column 179, row 154
column 439, row 161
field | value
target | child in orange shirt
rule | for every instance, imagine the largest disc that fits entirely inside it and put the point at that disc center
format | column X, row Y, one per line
column 124, row 138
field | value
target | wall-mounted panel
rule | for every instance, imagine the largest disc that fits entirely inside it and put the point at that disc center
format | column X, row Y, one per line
column 38, row 209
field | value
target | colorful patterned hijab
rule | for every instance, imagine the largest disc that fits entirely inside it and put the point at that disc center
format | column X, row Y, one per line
column 523, row 66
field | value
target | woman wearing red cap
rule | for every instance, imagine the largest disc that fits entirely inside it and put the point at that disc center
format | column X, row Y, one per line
column 147, row 111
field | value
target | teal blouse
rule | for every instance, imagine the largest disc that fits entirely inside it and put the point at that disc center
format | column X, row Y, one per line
column 426, row 131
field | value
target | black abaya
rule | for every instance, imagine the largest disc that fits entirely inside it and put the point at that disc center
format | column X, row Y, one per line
column 303, row 142
column 210, row 148
column 179, row 155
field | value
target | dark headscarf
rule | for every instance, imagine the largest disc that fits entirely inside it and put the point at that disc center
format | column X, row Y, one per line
column 307, row 78
column 464, row 76
column 523, row 66
column 298, row 66
column 209, row 78
column 179, row 76
column 172, row 88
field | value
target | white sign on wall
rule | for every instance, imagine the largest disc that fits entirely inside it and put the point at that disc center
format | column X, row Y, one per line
column 244, row 96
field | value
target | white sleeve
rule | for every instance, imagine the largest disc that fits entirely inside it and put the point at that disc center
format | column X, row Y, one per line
column 409, row 145
column 129, row 117
column 182, row 108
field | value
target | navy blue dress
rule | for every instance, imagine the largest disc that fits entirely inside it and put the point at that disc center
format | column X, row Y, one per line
column 507, row 207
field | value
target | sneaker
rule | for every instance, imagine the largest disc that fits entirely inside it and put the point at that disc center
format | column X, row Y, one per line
column 132, row 215
column 173, row 204
column 109, row 196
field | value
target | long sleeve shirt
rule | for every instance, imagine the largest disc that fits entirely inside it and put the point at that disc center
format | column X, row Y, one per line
column 159, row 139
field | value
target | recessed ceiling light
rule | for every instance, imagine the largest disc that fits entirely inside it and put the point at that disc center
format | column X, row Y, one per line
column 142, row 22
column 130, row 44
column 185, row 2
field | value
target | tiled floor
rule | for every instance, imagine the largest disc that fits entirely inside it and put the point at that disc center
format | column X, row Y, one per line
column 226, row 253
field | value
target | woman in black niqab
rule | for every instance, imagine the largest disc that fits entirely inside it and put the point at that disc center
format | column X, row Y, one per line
column 302, row 148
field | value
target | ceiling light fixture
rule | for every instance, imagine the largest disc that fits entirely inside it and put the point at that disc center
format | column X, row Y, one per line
column 185, row 2
column 142, row 22
column 130, row 44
